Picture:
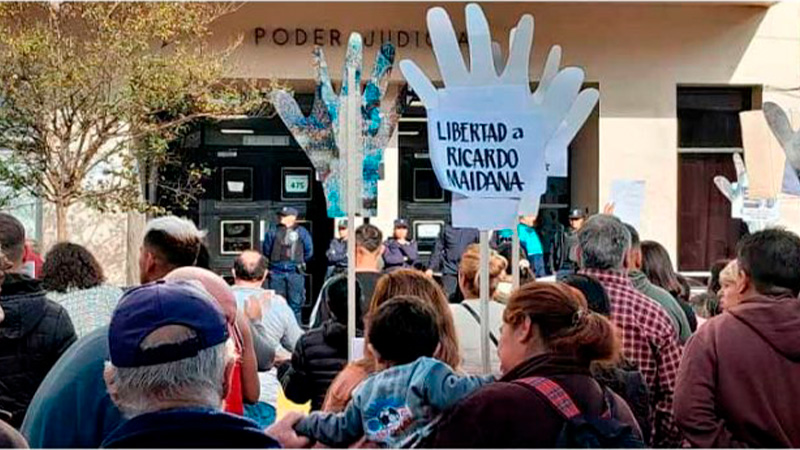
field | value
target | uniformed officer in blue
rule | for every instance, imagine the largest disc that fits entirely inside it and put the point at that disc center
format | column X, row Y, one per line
column 399, row 252
column 288, row 247
column 337, row 252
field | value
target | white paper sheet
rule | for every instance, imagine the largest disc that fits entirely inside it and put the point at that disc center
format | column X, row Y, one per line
column 236, row 186
column 628, row 199
column 358, row 348
column 764, row 211
column 483, row 213
column 480, row 150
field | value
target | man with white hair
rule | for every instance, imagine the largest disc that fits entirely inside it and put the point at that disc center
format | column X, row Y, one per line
column 171, row 360
column 71, row 408
column 648, row 337
column 169, row 242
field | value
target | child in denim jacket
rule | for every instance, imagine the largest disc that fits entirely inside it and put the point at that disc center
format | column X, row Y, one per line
column 397, row 406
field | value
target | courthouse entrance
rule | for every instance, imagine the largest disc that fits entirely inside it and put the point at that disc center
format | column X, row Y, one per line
column 257, row 168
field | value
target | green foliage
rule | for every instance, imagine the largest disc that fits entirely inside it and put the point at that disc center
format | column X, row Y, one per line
column 93, row 93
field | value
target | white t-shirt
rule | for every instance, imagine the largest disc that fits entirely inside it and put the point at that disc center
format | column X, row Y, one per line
column 282, row 329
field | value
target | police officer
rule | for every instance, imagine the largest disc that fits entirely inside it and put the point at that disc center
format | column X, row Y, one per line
column 288, row 248
column 565, row 245
column 450, row 245
column 399, row 252
column 337, row 252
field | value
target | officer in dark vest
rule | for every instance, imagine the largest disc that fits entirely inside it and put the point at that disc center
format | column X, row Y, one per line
column 288, row 248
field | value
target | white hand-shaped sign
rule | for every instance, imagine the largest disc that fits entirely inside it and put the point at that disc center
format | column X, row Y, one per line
column 489, row 135
column 756, row 213
column 790, row 142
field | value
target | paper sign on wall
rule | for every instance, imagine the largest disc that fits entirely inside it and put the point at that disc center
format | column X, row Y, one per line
column 488, row 134
column 628, row 199
column 760, row 210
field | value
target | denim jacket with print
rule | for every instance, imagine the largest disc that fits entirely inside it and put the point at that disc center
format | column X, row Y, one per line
column 395, row 407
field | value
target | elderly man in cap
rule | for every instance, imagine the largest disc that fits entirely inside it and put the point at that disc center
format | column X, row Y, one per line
column 288, row 247
column 399, row 252
column 171, row 361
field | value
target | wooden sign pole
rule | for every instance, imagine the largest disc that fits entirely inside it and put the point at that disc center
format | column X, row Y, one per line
column 484, row 294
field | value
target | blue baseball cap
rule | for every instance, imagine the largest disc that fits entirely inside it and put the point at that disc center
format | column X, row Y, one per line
column 147, row 308
column 401, row 223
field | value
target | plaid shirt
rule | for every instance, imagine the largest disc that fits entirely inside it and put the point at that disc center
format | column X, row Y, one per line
column 650, row 341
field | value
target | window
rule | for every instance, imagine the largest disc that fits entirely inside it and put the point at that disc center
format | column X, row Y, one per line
column 426, row 232
column 709, row 133
column 237, row 183
column 236, row 236
column 426, row 186
column 709, row 117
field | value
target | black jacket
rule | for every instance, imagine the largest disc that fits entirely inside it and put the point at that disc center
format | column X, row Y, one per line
column 318, row 357
column 564, row 250
column 189, row 428
column 397, row 255
column 33, row 335
column 450, row 246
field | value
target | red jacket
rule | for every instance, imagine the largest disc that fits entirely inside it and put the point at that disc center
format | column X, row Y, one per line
column 739, row 381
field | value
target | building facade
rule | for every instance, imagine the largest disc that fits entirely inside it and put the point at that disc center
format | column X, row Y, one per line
column 672, row 79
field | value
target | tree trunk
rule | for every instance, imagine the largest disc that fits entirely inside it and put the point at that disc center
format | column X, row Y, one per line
column 152, row 185
column 61, row 221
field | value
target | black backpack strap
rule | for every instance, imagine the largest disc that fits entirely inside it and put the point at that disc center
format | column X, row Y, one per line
column 477, row 318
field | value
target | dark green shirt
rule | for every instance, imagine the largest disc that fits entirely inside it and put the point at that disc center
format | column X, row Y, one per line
column 666, row 300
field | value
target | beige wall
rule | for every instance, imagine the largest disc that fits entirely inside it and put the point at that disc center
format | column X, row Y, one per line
column 637, row 53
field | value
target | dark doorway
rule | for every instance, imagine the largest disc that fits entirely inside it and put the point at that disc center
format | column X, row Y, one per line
column 256, row 169
column 709, row 133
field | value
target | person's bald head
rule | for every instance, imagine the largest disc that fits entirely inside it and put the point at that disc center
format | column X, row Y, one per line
column 250, row 266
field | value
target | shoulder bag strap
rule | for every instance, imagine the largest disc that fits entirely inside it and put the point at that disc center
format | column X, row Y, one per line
column 477, row 318
column 554, row 394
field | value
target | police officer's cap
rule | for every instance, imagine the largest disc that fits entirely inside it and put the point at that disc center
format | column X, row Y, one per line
column 288, row 211
column 401, row 223
column 577, row 213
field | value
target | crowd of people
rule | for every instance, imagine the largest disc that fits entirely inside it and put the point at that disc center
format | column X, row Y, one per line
column 616, row 352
